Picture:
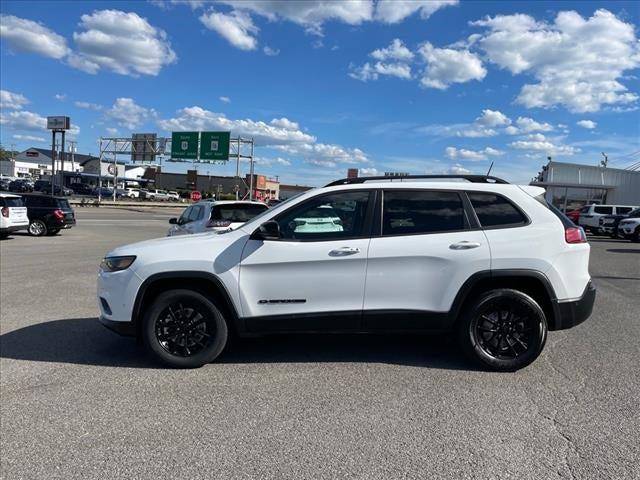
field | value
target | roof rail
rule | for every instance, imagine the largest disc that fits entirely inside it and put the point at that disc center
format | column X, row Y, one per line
column 470, row 178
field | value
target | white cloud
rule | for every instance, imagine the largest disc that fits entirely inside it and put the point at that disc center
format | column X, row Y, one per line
column 236, row 27
column 578, row 62
column 372, row 72
column 322, row 163
column 526, row 125
column 395, row 11
column 29, row 138
column 537, row 142
column 395, row 51
column 364, row 172
column 264, row 134
column 493, row 118
column 326, row 152
column 310, row 14
column 463, row 154
column 271, row 52
column 128, row 114
column 587, row 124
column 285, row 123
column 28, row 36
column 112, row 131
column 458, row 169
column 11, row 100
column 121, row 42
column 89, row 106
column 60, row 97
column 446, row 66
column 20, row 120
column 224, row 99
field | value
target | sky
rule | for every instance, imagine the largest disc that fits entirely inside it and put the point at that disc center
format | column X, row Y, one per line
column 416, row 86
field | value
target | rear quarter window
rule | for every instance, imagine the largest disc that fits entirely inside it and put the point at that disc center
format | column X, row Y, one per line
column 603, row 210
column 11, row 202
column 495, row 211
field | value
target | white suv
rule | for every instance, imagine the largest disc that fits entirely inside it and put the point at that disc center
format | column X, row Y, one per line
column 590, row 215
column 487, row 260
column 13, row 214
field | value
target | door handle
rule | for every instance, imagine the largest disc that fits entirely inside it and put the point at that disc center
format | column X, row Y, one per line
column 464, row 245
column 344, row 251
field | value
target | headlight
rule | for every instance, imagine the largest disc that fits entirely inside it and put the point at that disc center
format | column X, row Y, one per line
column 115, row 264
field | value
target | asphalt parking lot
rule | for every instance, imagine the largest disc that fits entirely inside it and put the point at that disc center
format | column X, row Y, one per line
column 78, row 401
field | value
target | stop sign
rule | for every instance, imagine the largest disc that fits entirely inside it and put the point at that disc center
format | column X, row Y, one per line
column 196, row 196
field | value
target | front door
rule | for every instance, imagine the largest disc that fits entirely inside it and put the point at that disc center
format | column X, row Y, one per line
column 313, row 277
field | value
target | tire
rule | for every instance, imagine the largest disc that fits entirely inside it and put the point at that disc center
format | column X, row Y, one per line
column 194, row 344
column 53, row 232
column 511, row 319
column 37, row 228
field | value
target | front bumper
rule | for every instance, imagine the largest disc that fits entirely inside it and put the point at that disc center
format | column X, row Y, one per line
column 128, row 329
column 570, row 314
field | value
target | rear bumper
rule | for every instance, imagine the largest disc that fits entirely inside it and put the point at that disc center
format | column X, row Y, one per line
column 14, row 228
column 126, row 329
column 570, row 314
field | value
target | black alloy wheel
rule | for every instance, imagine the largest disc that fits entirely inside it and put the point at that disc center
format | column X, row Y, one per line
column 504, row 330
column 183, row 329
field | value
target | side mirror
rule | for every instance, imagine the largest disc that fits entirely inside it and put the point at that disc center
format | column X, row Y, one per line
column 173, row 221
column 267, row 231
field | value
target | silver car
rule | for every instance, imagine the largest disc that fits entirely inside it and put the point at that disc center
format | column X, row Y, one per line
column 211, row 216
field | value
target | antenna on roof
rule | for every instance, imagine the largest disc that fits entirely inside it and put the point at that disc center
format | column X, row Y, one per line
column 490, row 167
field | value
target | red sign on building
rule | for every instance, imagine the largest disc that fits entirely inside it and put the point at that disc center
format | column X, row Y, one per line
column 352, row 173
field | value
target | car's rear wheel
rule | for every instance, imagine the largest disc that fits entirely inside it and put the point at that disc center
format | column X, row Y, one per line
column 183, row 329
column 37, row 228
column 503, row 329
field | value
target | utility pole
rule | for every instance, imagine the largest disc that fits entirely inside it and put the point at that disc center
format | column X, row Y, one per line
column 72, row 150
column 605, row 162
column 251, row 182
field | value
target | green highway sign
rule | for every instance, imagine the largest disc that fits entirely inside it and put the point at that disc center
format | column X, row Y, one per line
column 184, row 145
column 214, row 146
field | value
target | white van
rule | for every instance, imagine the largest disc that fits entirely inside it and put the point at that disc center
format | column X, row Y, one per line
column 13, row 214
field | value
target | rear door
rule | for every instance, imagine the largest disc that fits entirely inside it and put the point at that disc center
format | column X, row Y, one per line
column 424, row 251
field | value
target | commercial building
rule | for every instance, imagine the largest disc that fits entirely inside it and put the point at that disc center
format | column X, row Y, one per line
column 288, row 191
column 571, row 185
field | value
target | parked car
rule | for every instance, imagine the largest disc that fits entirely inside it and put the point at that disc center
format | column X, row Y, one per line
column 13, row 214
column 323, row 219
column 4, row 184
column 629, row 227
column 20, row 186
column 490, row 261
column 48, row 215
column 590, row 215
column 40, row 184
column 273, row 202
column 609, row 223
column 107, row 193
column 208, row 216
column 81, row 188
column 131, row 193
column 157, row 195
column 64, row 191
column 173, row 196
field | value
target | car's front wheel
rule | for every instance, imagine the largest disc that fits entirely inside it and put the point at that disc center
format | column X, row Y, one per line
column 503, row 329
column 37, row 228
column 184, row 329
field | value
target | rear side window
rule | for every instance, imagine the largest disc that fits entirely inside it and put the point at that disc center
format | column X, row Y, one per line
column 496, row 211
column 623, row 210
column 417, row 212
column 603, row 210
column 11, row 202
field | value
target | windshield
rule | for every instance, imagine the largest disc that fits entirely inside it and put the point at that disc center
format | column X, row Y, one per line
column 277, row 208
column 236, row 212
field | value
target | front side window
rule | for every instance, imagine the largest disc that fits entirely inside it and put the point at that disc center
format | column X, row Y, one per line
column 326, row 217
column 495, row 211
column 184, row 218
column 418, row 212
column 197, row 213
column 603, row 210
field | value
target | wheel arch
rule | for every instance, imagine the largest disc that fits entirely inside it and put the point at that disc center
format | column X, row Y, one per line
column 532, row 282
column 205, row 283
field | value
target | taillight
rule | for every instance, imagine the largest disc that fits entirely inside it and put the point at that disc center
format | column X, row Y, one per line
column 5, row 212
column 574, row 235
column 218, row 223
column 59, row 214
